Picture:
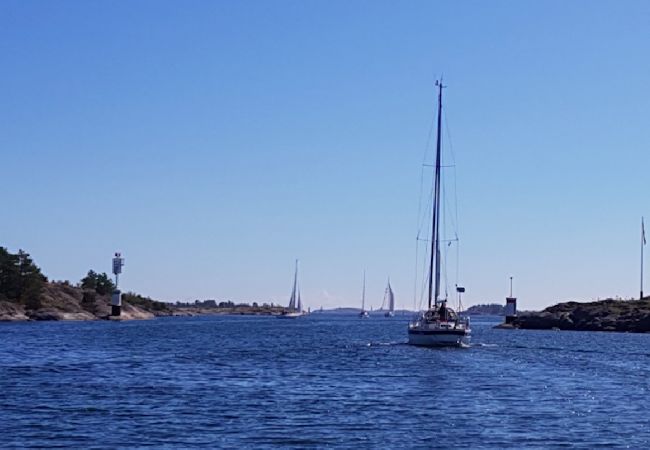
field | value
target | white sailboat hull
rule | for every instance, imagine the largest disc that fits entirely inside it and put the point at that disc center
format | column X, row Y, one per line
column 439, row 338
column 436, row 333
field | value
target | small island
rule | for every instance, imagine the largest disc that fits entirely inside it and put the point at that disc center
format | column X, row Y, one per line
column 490, row 309
column 604, row 315
column 27, row 294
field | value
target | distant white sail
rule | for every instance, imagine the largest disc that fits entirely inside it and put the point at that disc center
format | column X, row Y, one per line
column 389, row 297
column 294, row 300
column 294, row 309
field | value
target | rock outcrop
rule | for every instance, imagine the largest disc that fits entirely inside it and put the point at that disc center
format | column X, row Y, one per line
column 606, row 315
column 12, row 312
column 62, row 301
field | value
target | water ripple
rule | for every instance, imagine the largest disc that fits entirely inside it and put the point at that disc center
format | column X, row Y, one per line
column 325, row 381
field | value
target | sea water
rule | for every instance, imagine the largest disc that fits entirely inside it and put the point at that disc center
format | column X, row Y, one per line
column 317, row 381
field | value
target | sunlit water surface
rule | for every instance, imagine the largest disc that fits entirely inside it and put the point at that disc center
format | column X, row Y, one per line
column 319, row 381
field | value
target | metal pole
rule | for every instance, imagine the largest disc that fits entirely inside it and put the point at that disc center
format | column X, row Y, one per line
column 510, row 287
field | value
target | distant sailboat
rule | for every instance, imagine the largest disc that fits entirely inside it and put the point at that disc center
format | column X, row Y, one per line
column 439, row 325
column 388, row 295
column 294, row 309
column 363, row 314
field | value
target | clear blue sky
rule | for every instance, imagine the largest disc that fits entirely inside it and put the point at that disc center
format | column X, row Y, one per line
column 215, row 142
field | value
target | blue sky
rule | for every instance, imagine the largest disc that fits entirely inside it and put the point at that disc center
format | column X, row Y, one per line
column 215, row 142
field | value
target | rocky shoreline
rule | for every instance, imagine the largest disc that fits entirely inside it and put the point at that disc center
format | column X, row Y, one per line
column 26, row 294
column 62, row 301
column 631, row 316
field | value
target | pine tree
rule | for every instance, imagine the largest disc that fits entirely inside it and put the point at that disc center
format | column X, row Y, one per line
column 100, row 283
column 20, row 279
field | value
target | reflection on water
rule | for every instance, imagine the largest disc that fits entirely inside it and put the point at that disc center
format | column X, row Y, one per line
column 322, row 380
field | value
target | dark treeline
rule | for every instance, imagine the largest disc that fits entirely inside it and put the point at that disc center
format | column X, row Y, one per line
column 144, row 302
column 492, row 309
column 224, row 304
column 21, row 281
column 98, row 282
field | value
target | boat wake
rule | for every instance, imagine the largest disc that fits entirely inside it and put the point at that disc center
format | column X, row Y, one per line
column 385, row 344
column 483, row 344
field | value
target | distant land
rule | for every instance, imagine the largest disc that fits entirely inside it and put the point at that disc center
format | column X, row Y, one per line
column 491, row 309
column 26, row 294
column 211, row 307
column 351, row 310
column 62, row 301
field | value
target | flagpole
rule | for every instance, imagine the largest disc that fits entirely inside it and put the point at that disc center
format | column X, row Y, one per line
column 642, row 244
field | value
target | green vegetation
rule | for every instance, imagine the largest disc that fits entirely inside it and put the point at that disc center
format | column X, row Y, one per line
column 492, row 309
column 144, row 302
column 25, row 293
column 97, row 282
column 21, row 281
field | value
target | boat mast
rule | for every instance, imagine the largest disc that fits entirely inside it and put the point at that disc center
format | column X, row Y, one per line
column 435, row 234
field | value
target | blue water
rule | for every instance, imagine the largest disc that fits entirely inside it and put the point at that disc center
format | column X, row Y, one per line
column 319, row 381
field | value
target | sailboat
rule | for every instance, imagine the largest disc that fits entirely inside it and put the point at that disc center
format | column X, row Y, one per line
column 363, row 313
column 294, row 309
column 388, row 295
column 439, row 325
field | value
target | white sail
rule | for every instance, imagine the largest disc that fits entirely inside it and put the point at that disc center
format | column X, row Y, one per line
column 295, row 293
column 390, row 298
column 295, row 302
column 292, row 300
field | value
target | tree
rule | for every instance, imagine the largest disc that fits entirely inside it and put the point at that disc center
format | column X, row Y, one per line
column 20, row 279
column 99, row 283
column 90, row 280
column 9, row 275
column 104, row 284
column 31, row 281
column 145, row 302
column 32, row 295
